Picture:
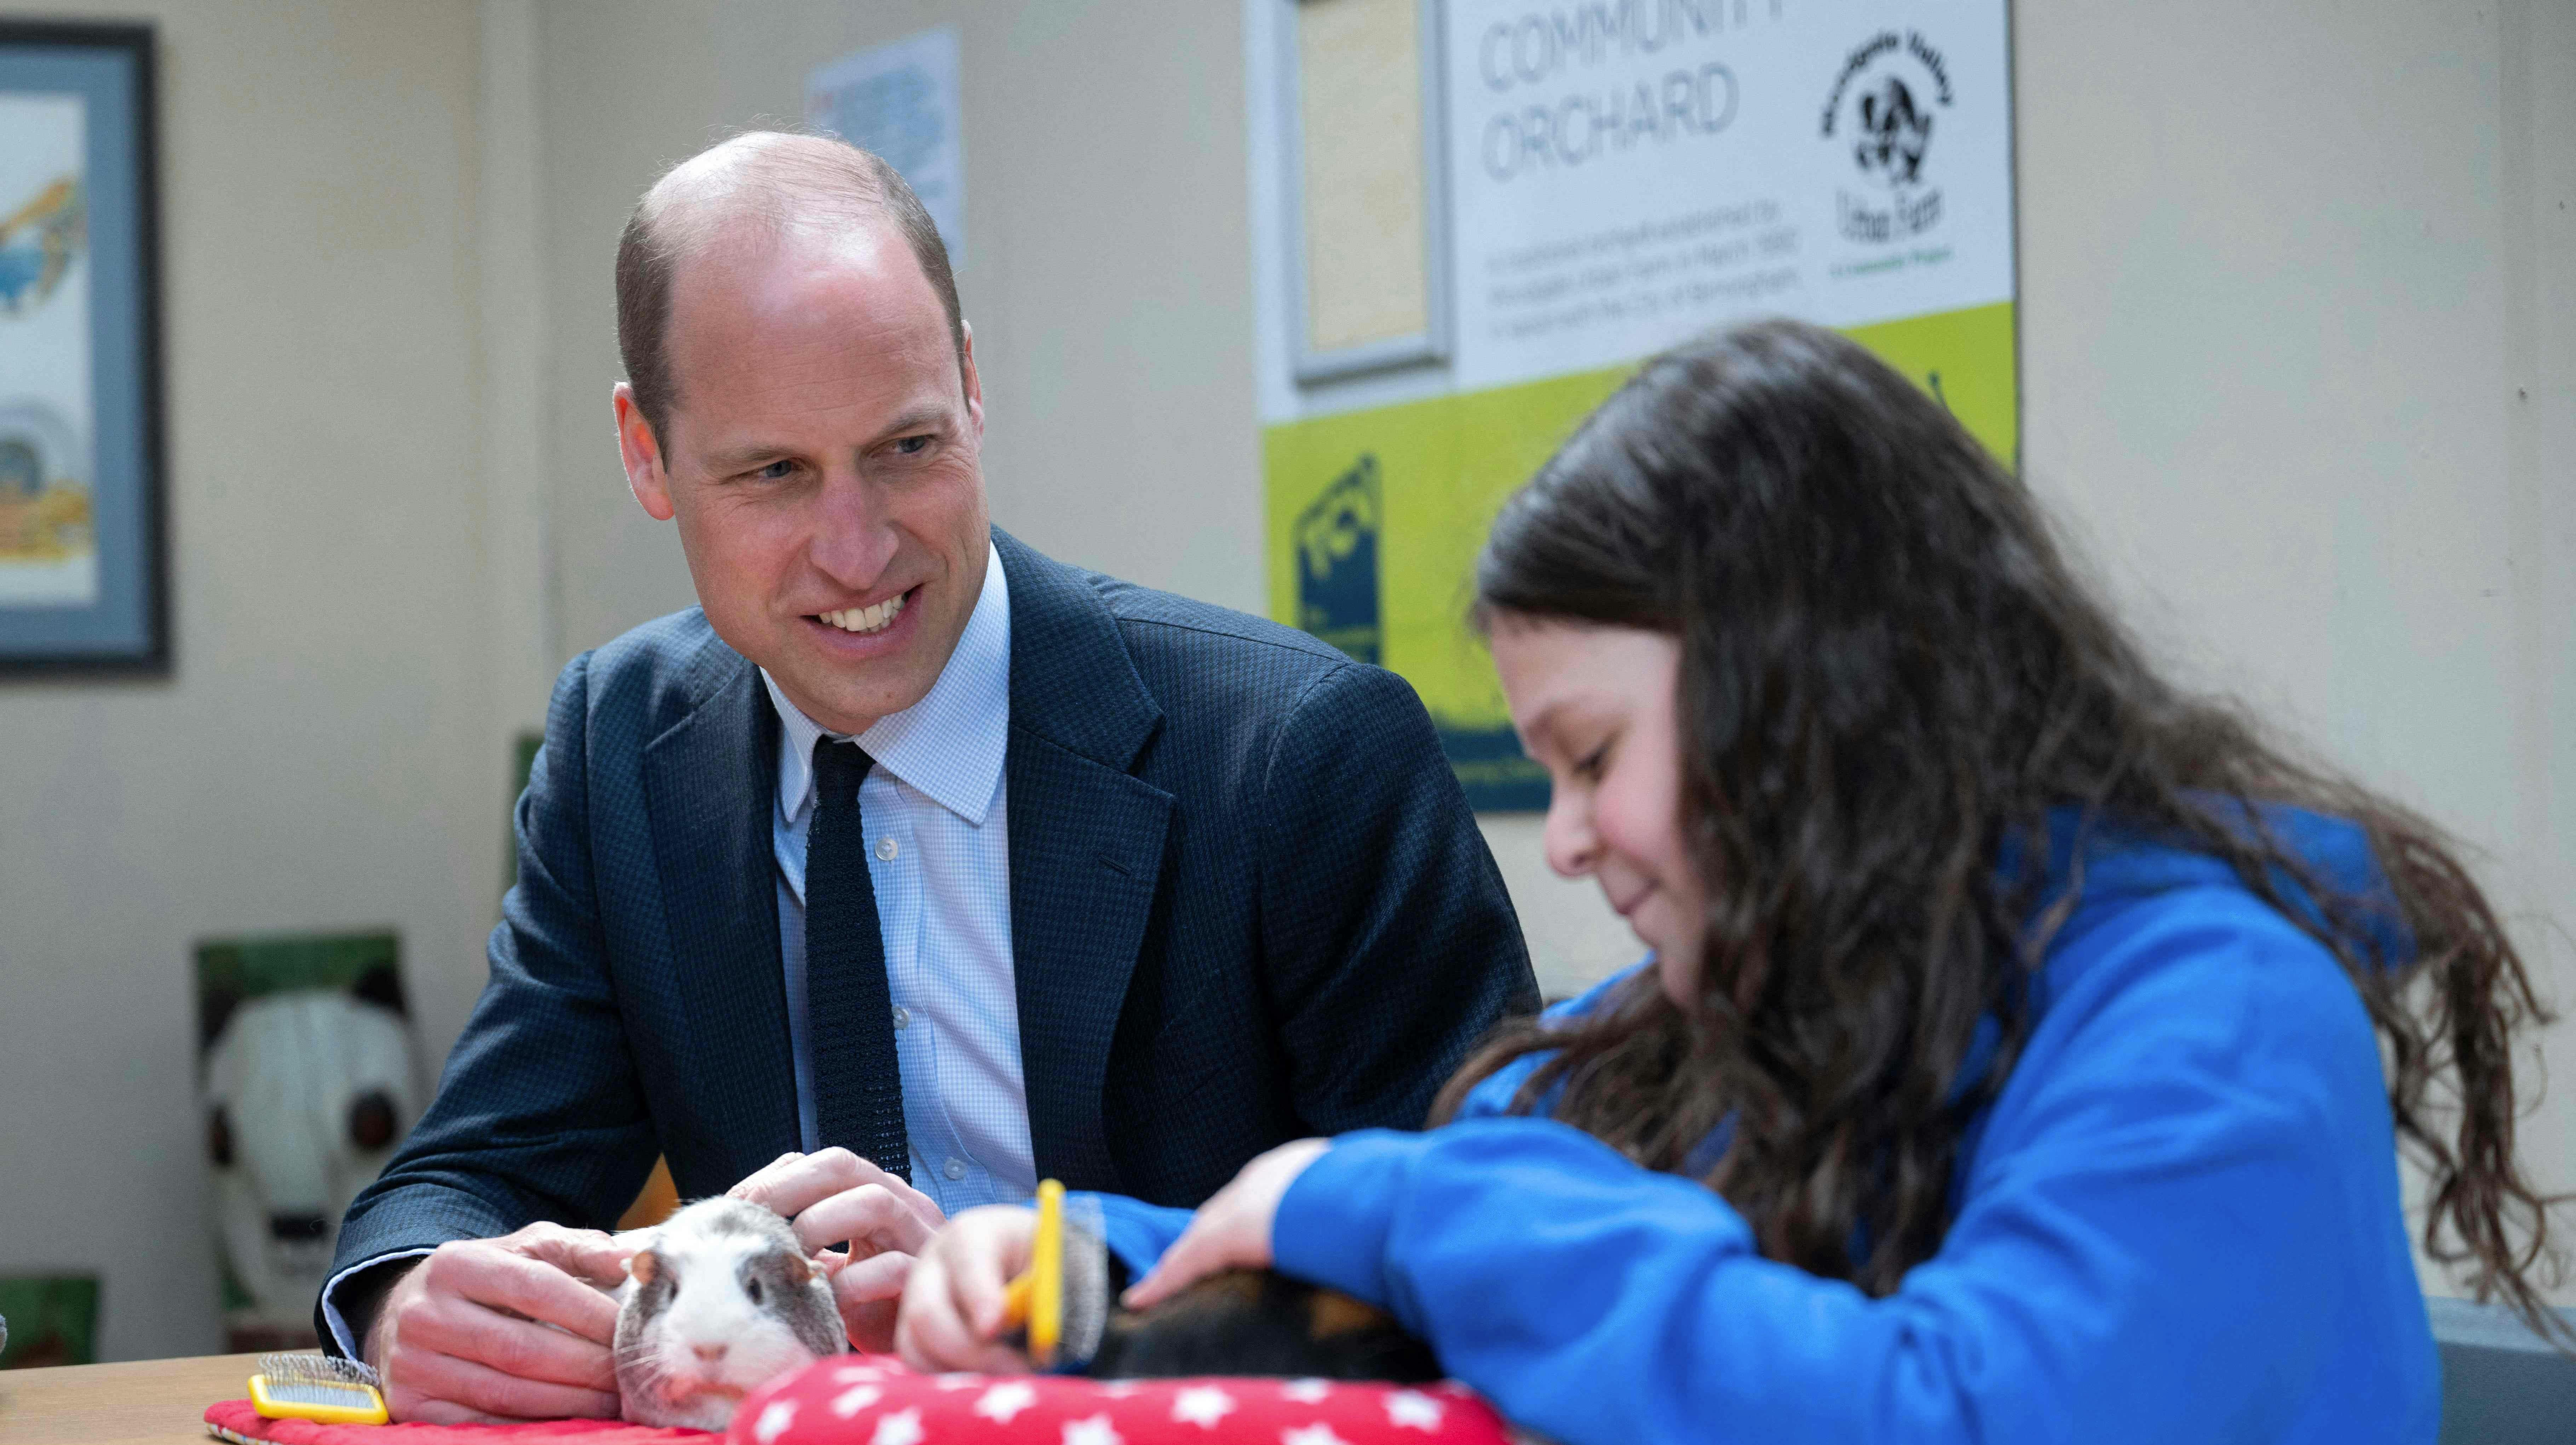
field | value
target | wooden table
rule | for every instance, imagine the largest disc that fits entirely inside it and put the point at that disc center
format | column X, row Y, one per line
column 148, row 1402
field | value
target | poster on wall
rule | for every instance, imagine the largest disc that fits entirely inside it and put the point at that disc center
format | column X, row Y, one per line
column 900, row 101
column 309, row 1078
column 80, row 465
column 1602, row 181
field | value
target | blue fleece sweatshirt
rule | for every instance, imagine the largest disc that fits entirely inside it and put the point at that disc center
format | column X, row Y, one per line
column 2179, row 1222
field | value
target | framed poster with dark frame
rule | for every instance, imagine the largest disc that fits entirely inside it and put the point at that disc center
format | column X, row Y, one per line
column 82, row 585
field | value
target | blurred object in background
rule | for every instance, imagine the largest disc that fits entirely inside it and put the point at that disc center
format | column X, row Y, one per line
column 309, row 1083
column 523, row 763
column 37, row 244
column 658, row 1200
column 57, row 1320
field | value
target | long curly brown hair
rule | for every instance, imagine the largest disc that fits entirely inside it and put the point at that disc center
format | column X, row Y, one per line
column 1887, row 671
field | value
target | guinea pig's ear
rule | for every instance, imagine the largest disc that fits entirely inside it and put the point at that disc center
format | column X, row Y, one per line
column 643, row 1265
column 825, row 1265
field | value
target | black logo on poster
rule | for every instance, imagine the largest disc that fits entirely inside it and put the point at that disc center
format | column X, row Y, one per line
column 1884, row 111
column 1337, row 563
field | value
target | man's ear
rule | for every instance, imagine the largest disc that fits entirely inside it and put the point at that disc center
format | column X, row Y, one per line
column 974, row 379
column 641, row 451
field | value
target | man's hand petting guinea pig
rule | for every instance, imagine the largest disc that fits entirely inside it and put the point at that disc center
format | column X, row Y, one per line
column 952, row 1309
column 462, row 1337
column 833, row 1195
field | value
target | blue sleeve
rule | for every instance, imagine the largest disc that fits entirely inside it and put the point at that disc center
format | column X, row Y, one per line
column 2163, row 1218
column 1137, row 1232
column 1492, row 1096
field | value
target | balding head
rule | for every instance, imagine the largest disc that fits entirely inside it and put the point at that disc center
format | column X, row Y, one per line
column 756, row 188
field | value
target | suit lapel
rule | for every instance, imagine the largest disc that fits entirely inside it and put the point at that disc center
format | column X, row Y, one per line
column 1087, row 843
column 712, row 780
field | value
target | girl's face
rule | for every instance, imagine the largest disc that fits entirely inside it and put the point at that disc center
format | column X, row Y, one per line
column 1595, row 706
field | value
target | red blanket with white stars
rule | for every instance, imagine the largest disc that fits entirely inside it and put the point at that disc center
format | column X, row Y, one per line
column 866, row 1400
column 874, row 1400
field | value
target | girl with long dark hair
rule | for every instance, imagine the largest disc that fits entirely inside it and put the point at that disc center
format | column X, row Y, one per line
column 2028, row 1045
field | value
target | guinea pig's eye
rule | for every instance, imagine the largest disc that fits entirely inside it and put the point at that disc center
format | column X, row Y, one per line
column 751, row 1287
column 371, row 1120
column 219, row 1137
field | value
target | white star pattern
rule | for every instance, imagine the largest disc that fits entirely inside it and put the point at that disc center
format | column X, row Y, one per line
column 1002, row 1402
column 857, row 1374
column 1093, row 1431
column 1119, row 1389
column 903, row 1427
column 958, row 1380
column 1318, row 1433
column 1413, row 1410
column 1202, row 1405
column 1306, row 1392
column 774, row 1421
column 855, row 1399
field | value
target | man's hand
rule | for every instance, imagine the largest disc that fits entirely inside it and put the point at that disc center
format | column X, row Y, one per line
column 952, row 1310
column 834, row 1195
column 462, row 1338
column 1231, row 1230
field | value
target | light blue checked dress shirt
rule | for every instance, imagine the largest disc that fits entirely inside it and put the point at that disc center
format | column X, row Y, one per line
column 939, row 856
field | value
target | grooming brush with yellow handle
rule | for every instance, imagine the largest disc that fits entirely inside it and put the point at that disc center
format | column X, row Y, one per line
column 1062, row 1298
column 314, row 1387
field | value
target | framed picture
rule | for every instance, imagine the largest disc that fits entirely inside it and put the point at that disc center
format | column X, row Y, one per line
column 82, row 585
column 1366, row 205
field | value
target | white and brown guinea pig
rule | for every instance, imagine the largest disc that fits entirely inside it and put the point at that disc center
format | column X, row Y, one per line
column 720, row 1300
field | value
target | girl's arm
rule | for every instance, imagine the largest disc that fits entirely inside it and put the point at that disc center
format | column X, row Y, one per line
column 1138, row 1232
column 2183, row 1202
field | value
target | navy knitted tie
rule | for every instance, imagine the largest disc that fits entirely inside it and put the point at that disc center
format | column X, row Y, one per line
column 858, row 1084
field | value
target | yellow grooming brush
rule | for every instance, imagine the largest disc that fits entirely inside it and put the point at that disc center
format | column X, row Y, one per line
column 1063, row 1296
column 316, row 1388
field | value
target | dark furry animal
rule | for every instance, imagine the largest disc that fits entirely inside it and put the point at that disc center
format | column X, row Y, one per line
column 1258, row 1322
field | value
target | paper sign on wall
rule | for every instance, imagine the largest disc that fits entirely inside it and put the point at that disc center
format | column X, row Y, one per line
column 1618, row 178
column 900, row 101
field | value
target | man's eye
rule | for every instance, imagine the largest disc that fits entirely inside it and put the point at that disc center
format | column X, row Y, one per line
column 777, row 471
column 912, row 446
column 1590, row 767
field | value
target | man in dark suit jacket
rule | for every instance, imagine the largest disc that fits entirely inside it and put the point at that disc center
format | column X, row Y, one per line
column 1245, row 899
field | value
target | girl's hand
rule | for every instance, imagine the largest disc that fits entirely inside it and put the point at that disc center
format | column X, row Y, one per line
column 1231, row 1230
column 952, row 1303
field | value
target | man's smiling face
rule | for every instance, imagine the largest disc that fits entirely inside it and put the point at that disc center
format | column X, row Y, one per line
column 821, row 456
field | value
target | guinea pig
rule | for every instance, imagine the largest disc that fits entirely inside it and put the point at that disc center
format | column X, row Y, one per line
column 719, row 1301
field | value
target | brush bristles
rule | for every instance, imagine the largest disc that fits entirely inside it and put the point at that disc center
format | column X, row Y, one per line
column 1086, row 1280
column 334, row 1393
column 316, row 1370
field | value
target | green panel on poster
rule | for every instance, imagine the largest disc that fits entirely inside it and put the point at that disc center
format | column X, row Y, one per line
column 1374, row 518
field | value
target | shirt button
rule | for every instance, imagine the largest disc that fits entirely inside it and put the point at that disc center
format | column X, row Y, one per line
column 902, row 1016
column 954, row 1168
column 886, row 849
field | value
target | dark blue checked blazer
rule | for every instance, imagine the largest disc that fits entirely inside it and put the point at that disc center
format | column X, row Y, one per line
column 1248, row 904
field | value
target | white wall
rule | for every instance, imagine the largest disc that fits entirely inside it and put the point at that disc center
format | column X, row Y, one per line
column 2299, row 359
column 322, row 756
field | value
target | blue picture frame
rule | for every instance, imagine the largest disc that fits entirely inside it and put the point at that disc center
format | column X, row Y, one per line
column 83, row 565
